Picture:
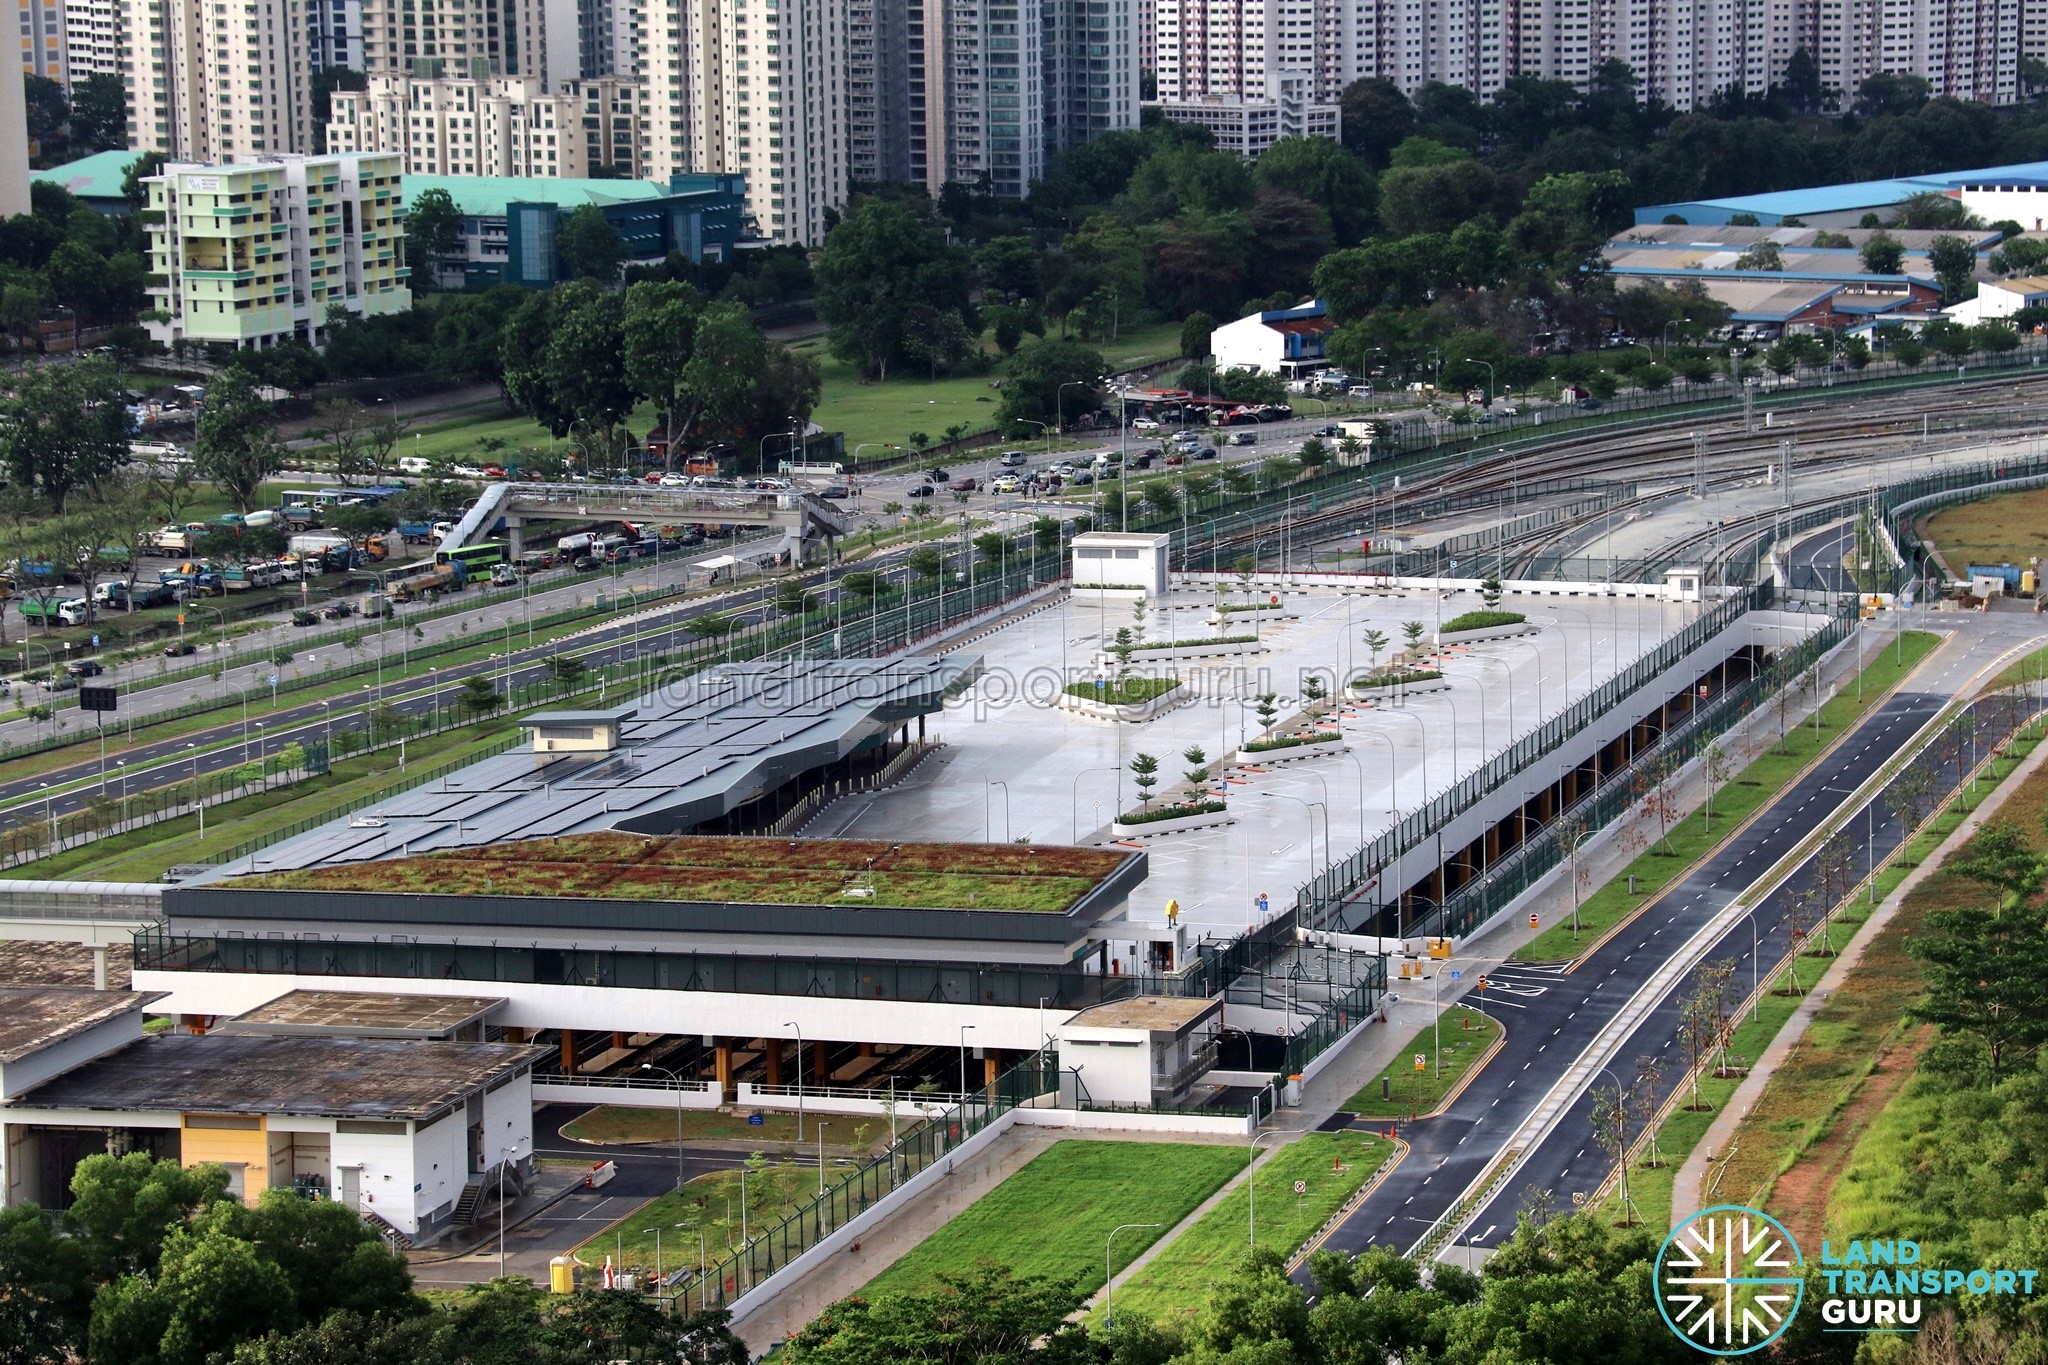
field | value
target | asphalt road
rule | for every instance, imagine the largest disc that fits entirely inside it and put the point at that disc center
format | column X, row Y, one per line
column 1554, row 1011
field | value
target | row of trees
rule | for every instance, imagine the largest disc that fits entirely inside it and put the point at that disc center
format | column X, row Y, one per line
column 157, row 1264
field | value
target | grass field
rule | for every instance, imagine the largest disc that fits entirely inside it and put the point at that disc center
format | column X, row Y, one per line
column 1754, row 787
column 1793, row 1143
column 144, row 855
column 615, row 1123
column 1466, row 1033
column 710, row 1204
column 2005, row 529
column 1054, row 1216
column 1175, row 1283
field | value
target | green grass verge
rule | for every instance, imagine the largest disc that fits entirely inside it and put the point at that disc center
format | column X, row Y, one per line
column 1175, row 1283
column 144, row 855
column 1753, row 788
column 1481, row 620
column 1466, row 1033
column 710, row 1204
column 890, row 411
column 1054, row 1216
column 618, row 1123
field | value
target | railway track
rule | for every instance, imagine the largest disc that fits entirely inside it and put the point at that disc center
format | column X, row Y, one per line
column 1735, row 451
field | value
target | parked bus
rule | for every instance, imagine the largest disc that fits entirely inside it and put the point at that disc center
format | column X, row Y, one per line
column 474, row 557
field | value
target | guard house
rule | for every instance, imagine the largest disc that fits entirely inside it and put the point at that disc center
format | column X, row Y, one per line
column 1145, row 1050
column 1120, row 562
column 579, row 732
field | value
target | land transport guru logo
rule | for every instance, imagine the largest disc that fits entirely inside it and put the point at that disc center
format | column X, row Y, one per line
column 1730, row 1278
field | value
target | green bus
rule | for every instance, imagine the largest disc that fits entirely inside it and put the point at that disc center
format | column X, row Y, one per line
column 473, row 557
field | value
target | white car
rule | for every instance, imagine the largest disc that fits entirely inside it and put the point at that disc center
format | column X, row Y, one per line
column 1145, row 424
column 675, row 481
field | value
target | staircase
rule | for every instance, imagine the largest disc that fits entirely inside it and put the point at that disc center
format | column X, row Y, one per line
column 466, row 1207
column 393, row 1238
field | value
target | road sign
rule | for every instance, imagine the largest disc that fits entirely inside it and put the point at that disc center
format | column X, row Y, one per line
column 95, row 639
column 1301, row 1187
column 1532, row 920
column 1454, row 563
column 756, row 1120
column 1421, row 1062
column 1457, row 975
column 273, row 680
column 95, row 698
column 1482, row 983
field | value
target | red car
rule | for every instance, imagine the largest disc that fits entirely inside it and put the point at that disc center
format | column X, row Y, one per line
column 964, row 485
column 1175, row 460
column 494, row 471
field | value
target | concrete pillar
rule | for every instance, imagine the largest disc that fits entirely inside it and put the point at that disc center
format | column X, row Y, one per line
column 772, row 1053
column 867, row 1049
column 991, row 1065
column 1492, row 846
column 569, row 1050
column 821, row 1063
column 722, row 1069
column 618, row 1038
column 515, row 540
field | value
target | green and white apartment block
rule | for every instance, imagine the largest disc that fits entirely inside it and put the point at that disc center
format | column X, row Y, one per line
column 257, row 252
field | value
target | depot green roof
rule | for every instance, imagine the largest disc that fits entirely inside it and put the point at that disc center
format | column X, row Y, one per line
column 94, row 177
column 485, row 196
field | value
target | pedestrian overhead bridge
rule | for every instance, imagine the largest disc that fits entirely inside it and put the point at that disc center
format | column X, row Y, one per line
column 807, row 520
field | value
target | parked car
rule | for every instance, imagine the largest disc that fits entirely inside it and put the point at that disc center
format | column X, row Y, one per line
column 1082, row 479
column 1591, row 404
column 1176, row 459
column 84, row 668
column 1143, row 459
column 62, row 682
column 1145, row 424
column 179, row 649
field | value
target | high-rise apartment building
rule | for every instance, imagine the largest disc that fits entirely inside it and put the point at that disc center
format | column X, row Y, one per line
column 259, row 252
column 335, row 33
column 43, row 49
column 537, row 38
column 978, row 92
column 92, row 39
column 495, row 126
column 748, row 87
column 1682, row 52
column 211, row 82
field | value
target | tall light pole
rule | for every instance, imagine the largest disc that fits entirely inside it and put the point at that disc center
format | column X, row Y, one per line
column 676, row 1081
column 1251, row 1184
column 504, row 1160
column 1109, row 1280
column 1475, row 360
column 965, row 1029
column 799, row 1080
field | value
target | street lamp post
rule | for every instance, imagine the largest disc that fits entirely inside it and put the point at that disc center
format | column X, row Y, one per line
column 1475, row 360
column 676, row 1081
column 1251, row 1184
column 819, row 1127
column 965, row 1029
column 1108, row 1281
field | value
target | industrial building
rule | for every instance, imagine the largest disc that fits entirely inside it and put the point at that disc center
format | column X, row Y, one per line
column 1993, row 194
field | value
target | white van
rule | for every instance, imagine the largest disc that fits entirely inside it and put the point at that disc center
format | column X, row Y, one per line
column 413, row 464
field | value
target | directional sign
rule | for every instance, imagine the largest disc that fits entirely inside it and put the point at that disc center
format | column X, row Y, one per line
column 96, row 699
column 1457, row 975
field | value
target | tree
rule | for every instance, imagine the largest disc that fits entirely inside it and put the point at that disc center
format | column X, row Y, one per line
column 1490, row 592
column 1194, row 335
column 1954, row 260
column 879, row 263
column 1197, row 771
column 926, row 562
column 1999, row 859
column 362, row 440
column 99, row 114
column 1145, row 775
column 1764, row 255
column 1986, row 979
column 1322, row 172
column 237, row 447
column 468, row 329
column 1703, row 1014
column 589, row 246
column 1907, row 798
column 1266, row 705
column 792, row 600
column 1412, row 633
column 478, row 698
column 563, row 354
column 1613, row 1118
column 1717, row 767
column 719, row 381
column 433, row 234
column 1883, row 254
column 1041, row 366
column 982, row 1314
column 66, row 430
column 1891, row 93
column 659, row 327
column 1375, row 641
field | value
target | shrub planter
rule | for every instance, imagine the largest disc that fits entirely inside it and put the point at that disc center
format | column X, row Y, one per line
column 1465, row 637
column 1229, row 648
column 1170, row 824
column 1381, row 687
column 1168, row 700
column 1291, row 753
column 1259, row 611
